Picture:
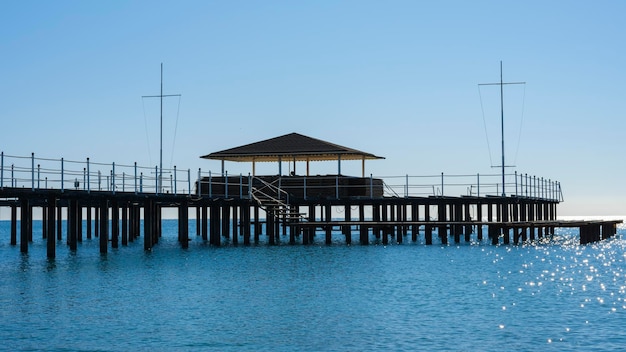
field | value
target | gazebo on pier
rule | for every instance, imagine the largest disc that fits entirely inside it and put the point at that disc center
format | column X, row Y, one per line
column 295, row 147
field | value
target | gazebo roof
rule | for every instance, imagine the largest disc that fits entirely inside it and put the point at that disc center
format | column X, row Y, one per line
column 289, row 147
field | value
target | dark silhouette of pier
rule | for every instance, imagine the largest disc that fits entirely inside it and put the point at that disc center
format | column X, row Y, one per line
column 291, row 209
column 120, row 203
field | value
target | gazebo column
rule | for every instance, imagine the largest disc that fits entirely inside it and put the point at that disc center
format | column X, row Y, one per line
column 280, row 166
column 253, row 167
column 338, row 164
column 307, row 166
column 363, row 167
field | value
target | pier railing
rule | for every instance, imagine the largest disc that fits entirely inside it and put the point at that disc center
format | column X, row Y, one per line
column 44, row 173
column 477, row 185
column 36, row 173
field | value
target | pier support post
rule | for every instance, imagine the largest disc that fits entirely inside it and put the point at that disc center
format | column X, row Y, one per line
column 72, row 224
column 124, row 209
column 414, row 217
column 400, row 216
column 493, row 231
column 79, row 222
column 225, row 209
column 115, row 224
column 363, row 231
column 505, row 218
column 148, row 223
column 441, row 217
column 198, row 220
column 205, row 222
column 328, row 219
column 347, row 229
column 214, row 235
column 89, row 224
column 13, row 224
column 384, row 219
column 104, row 226
column 183, row 224
column 428, row 230
column 96, row 222
column 531, row 219
column 51, row 240
column 59, row 222
column 44, row 222
column 539, row 216
column 524, row 217
column 468, row 218
column 132, row 233
column 479, row 217
column 269, row 225
column 234, row 225
column 458, row 217
column 376, row 213
column 257, row 224
column 24, row 216
column 245, row 224
column 156, row 222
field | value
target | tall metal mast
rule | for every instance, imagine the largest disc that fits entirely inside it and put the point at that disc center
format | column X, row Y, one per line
column 161, row 96
column 501, row 126
column 501, row 84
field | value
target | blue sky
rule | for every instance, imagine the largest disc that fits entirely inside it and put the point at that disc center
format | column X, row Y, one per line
column 394, row 78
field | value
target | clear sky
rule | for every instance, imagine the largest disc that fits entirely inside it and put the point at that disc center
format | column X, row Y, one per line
column 397, row 79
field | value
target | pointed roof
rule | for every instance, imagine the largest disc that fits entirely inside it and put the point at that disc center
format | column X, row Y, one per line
column 288, row 147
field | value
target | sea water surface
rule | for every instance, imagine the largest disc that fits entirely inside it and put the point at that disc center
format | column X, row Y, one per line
column 550, row 296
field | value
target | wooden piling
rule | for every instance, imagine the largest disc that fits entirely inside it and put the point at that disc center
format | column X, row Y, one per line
column 328, row 228
column 24, row 207
column 363, row 231
column 96, row 222
column 479, row 217
column 13, row 224
column 414, row 217
column 72, row 224
column 124, row 209
column 51, row 240
column 245, row 223
column 104, row 226
column 428, row 229
column 59, row 223
column 347, row 229
column 198, row 220
column 225, row 209
column 441, row 217
column 89, row 224
column 183, row 224
column 205, row 222
column 467, row 217
column 257, row 224
column 44, row 222
column 214, row 235
column 115, row 224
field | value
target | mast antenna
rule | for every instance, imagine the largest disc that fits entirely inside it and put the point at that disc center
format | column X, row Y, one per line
column 501, row 84
column 161, row 96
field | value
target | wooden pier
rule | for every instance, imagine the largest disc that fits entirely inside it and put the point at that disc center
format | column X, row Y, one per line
column 122, row 217
column 118, row 204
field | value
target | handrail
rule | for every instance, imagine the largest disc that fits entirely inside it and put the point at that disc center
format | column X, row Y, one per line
column 270, row 186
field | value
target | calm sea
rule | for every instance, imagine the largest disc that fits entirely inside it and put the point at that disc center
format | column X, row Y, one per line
column 553, row 296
